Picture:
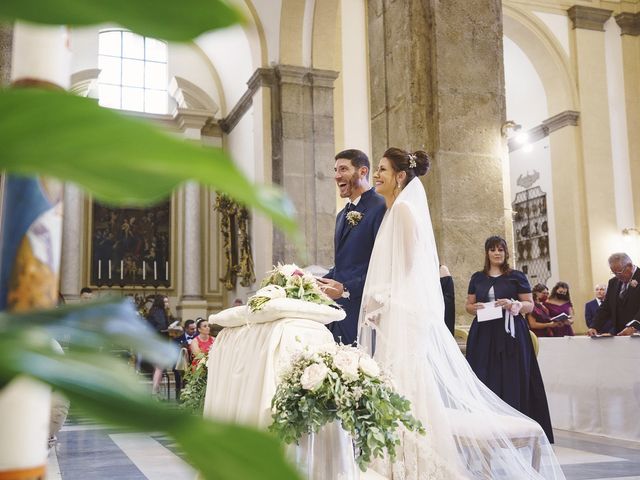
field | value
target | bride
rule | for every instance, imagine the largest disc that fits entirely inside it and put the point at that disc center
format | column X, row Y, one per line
column 471, row 433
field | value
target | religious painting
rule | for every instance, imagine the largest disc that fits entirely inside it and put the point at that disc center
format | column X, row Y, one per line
column 131, row 246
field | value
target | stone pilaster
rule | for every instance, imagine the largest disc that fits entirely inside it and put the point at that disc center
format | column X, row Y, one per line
column 597, row 172
column 6, row 46
column 303, row 159
column 630, row 25
column 589, row 18
column 192, row 303
column 437, row 83
column 71, row 266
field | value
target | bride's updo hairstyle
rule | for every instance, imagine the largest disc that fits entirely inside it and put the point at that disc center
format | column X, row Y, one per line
column 414, row 164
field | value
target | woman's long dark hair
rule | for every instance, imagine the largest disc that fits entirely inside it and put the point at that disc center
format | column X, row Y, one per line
column 554, row 290
column 496, row 241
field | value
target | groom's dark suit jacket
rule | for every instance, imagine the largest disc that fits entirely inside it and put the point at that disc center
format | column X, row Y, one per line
column 353, row 246
column 620, row 310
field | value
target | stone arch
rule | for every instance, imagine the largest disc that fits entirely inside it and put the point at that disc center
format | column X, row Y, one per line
column 292, row 15
column 325, row 54
column 547, row 56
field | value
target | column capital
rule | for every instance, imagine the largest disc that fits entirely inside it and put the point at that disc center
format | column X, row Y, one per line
column 629, row 23
column 589, row 18
column 305, row 76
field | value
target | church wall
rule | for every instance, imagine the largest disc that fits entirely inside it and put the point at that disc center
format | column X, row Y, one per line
column 590, row 165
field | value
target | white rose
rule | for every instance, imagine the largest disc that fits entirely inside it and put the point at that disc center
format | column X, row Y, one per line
column 330, row 348
column 272, row 291
column 347, row 363
column 289, row 269
column 313, row 376
column 369, row 366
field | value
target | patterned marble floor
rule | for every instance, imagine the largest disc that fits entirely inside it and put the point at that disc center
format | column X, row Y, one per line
column 87, row 451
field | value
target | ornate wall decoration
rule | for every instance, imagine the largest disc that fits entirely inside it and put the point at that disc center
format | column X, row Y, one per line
column 531, row 228
column 131, row 246
column 234, row 225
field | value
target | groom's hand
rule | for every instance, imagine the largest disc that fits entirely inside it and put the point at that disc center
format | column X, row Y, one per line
column 332, row 288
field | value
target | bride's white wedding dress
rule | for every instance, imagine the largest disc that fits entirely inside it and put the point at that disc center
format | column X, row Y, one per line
column 471, row 433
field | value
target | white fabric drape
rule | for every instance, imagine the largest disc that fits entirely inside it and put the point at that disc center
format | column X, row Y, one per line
column 471, row 433
column 593, row 385
column 244, row 363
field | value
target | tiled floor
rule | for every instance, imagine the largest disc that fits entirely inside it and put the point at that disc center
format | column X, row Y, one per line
column 92, row 452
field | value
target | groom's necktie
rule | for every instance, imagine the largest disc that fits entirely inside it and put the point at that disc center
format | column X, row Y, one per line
column 350, row 207
column 623, row 289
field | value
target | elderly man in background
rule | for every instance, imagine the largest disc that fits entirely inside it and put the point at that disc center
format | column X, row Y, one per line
column 592, row 307
column 622, row 301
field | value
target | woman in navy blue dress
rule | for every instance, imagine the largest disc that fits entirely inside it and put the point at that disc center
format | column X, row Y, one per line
column 500, row 351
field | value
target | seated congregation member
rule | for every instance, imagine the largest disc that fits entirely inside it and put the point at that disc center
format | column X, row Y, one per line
column 622, row 301
column 449, row 294
column 559, row 302
column 539, row 320
column 202, row 342
column 592, row 307
column 500, row 350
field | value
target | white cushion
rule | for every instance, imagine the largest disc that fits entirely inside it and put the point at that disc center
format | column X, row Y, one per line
column 277, row 309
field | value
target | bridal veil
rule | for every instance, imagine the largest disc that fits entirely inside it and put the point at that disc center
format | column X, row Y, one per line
column 471, row 432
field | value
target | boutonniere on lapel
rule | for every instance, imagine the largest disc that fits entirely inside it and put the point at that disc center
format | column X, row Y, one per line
column 633, row 283
column 353, row 218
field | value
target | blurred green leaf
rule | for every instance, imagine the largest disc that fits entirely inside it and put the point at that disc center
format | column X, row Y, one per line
column 103, row 388
column 119, row 159
column 94, row 326
column 167, row 19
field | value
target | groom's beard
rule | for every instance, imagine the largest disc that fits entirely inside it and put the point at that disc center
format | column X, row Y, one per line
column 352, row 185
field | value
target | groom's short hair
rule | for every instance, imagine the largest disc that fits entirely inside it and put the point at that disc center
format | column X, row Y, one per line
column 357, row 157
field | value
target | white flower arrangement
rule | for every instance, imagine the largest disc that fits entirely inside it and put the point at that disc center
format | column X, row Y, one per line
column 288, row 281
column 354, row 217
column 633, row 283
column 337, row 382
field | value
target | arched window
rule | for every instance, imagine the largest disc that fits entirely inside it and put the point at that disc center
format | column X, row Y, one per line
column 133, row 72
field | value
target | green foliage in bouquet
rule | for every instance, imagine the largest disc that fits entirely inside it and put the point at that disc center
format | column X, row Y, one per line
column 288, row 281
column 192, row 395
column 342, row 383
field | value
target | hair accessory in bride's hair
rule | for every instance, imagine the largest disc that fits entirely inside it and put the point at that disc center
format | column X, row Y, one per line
column 412, row 161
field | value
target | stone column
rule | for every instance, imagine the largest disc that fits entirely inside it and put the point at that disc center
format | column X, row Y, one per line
column 437, row 83
column 630, row 25
column 303, row 160
column 72, row 244
column 192, row 303
column 6, row 45
column 595, row 142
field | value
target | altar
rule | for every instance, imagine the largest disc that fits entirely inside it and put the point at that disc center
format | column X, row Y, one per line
column 246, row 358
column 593, row 385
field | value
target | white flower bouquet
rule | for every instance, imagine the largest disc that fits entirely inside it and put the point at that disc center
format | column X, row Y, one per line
column 288, row 281
column 338, row 382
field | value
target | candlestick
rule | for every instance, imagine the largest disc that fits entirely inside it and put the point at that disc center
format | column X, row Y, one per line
column 155, row 271
column 144, row 270
column 166, row 270
column 109, row 269
column 121, row 269
column 99, row 269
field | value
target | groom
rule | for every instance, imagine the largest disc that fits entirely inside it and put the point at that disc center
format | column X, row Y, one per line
column 356, row 228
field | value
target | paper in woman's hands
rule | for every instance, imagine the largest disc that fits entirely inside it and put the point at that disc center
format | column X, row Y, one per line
column 489, row 312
